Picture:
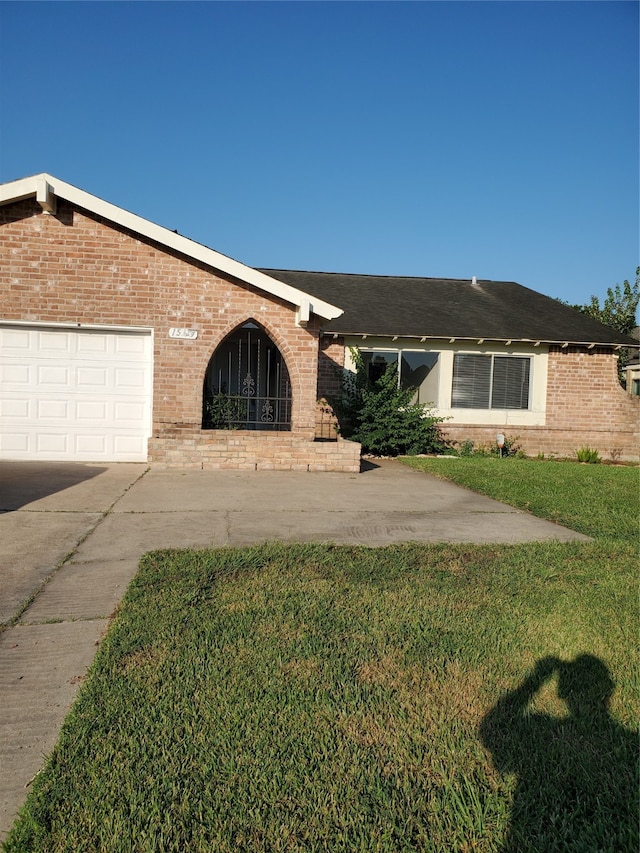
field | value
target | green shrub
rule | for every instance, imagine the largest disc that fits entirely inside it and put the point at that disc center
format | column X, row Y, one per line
column 382, row 417
column 588, row 454
column 510, row 448
column 224, row 412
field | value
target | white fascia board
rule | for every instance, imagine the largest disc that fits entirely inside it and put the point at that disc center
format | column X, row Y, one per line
column 328, row 332
column 25, row 187
column 17, row 190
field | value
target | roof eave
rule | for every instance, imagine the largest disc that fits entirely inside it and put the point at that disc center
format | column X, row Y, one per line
column 480, row 339
column 46, row 188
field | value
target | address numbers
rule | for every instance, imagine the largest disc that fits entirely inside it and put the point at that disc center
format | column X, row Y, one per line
column 185, row 334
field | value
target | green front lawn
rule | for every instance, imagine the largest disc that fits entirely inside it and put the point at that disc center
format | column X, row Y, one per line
column 318, row 698
column 597, row 500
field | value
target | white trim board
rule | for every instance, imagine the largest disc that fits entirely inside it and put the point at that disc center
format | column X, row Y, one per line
column 46, row 189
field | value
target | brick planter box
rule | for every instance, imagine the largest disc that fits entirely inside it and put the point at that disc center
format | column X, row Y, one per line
column 251, row 451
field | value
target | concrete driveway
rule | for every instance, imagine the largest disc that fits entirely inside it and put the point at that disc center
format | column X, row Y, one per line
column 72, row 535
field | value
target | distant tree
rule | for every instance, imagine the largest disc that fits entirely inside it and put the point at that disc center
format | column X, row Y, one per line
column 618, row 311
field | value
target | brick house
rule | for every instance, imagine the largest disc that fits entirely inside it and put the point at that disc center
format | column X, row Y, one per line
column 123, row 341
column 489, row 356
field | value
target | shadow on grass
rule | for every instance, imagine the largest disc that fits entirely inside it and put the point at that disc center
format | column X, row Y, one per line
column 577, row 775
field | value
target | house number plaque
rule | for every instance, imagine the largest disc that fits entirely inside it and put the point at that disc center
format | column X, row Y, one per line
column 186, row 334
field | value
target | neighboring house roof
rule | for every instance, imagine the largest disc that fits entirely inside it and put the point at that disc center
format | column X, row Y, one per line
column 46, row 189
column 634, row 361
column 448, row 308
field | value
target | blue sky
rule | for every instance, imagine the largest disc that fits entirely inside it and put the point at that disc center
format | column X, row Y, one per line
column 497, row 139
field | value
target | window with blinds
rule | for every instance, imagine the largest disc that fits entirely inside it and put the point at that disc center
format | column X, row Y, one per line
column 490, row 382
column 471, row 381
column 510, row 387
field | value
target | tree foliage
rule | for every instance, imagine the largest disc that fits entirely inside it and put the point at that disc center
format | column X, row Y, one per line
column 382, row 417
column 618, row 310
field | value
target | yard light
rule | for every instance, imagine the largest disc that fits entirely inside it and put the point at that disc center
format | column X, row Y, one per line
column 500, row 442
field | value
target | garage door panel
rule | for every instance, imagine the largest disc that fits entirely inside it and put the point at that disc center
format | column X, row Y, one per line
column 58, row 375
column 89, row 344
column 92, row 444
column 128, row 378
column 52, row 442
column 129, row 445
column 128, row 413
column 14, row 442
column 90, row 411
column 17, row 408
column 74, row 394
column 52, row 409
column 54, row 343
column 15, row 340
column 87, row 412
column 92, row 378
column 129, row 344
column 12, row 374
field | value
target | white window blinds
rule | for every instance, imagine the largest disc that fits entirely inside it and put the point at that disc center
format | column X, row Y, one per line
column 490, row 382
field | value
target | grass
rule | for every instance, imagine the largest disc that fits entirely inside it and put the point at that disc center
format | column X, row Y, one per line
column 597, row 500
column 319, row 698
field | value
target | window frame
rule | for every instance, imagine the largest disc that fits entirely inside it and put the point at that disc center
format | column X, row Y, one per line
column 487, row 404
column 398, row 352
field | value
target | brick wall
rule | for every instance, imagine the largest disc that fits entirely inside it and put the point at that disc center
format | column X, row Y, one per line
column 586, row 406
column 330, row 363
column 75, row 267
column 251, row 451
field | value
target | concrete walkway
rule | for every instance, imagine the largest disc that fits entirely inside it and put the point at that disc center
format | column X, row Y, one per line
column 71, row 536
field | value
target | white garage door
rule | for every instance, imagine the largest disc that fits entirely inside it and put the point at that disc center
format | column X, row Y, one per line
column 74, row 394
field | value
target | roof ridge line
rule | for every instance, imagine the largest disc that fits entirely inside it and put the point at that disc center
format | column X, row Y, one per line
column 378, row 275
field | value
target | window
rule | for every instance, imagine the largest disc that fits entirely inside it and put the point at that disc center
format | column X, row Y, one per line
column 419, row 370
column 510, row 388
column 247, row 384
column 490, row 382
column 471, row 381
column 416, row 370
column 376, row 362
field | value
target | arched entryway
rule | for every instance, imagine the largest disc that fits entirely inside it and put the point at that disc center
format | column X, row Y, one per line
column 247, row 384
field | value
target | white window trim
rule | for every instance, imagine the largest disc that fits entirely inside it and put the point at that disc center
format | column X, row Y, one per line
column 535, row 415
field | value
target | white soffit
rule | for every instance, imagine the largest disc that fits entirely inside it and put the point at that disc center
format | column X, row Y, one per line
column 45, row 187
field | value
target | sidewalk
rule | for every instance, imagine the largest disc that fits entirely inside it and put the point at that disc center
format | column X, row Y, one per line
column 72, row 536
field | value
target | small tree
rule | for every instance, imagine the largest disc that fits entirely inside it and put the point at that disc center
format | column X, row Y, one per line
column 383, row 417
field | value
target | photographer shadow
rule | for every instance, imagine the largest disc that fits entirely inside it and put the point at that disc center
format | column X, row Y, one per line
column 577, row 775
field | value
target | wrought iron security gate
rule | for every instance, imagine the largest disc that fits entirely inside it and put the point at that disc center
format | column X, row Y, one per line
column 247, row 385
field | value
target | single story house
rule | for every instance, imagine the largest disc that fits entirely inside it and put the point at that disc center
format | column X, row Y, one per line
column 121, row 340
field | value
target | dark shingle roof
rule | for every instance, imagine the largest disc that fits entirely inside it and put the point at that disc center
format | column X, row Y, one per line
column 446, row 308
